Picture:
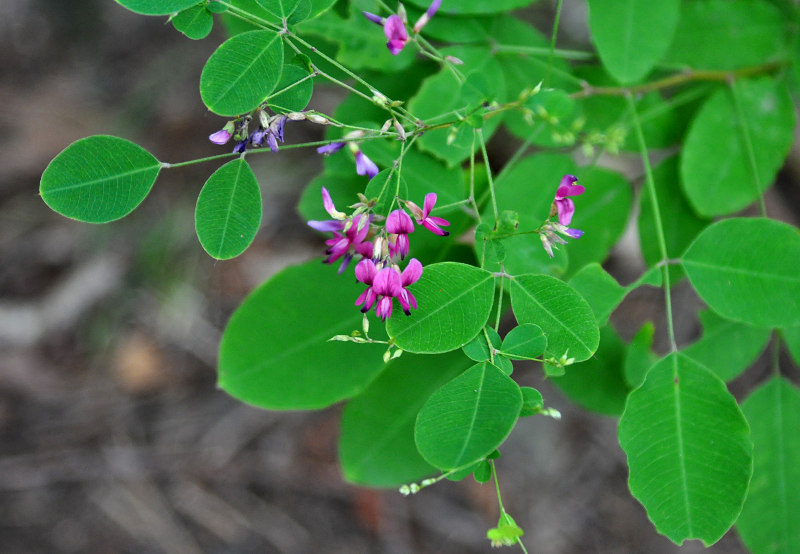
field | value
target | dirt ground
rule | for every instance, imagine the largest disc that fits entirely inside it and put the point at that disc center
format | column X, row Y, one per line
column 113, row 436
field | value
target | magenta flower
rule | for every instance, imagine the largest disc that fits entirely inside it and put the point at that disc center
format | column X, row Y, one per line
column 387, row 283
column 423, row 217
column 349, row 234
column 220, row 137
column 365, row 272
column 365, row 166
column 399, row 225
column 393, row 28
column 563, row 205
column 410, row 275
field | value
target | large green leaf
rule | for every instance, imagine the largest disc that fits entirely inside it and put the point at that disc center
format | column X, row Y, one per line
column 632, row 35
column 689, row 451
column 454, row 303
column 468, row 418
column 275, row 352
column 745, row 269
column 376, row 445
column 242, row 72
column 769, row 522
column 727, row 347
column 157, row 7
column 727, row 34
column 598, row 384
column 99, row 179
column 715, row 169
column 567, row 320
column 524, row 342
column 228, row 212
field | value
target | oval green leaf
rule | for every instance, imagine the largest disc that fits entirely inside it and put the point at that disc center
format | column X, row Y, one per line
column 689, row 450
column 242, row 72
column 524, row 342
column 745, row 269
column 291, row 11
column 275, row 352
column 376, row 445
column 228, row 212
column 99, row 179
column 566, row 318
column 769, row 522
column 157, row 7
column 454, row 303
column 469, row 417
column 632, row 35
column 716, row 173
column 293, row 92
column 195, row 22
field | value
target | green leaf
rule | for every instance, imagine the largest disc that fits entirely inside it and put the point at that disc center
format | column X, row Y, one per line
column 483, row 473
column 715, row 170
column 385, row 187
column 639, row 358
column 689, row 451
column 477, row 349
column 598, row 384
column 567, row 319
column 466, row 419
column 275, row 352
column 99, row 179
column 293, row 92
column 524, row 342
column 600, row 290
column 195, row 22
column 157, row 7
column 727, row 348
column 769, row 522
column 745, row 269
column 289, row 10
column 228, row 212
column 720, row 34
column 242, row 72
column 632, row 35
column 678, row 221
column 532, row 402
column 376, row 445
column 454, row 303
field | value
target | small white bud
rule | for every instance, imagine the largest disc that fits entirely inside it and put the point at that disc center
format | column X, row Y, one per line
column 296, row 116
column 316, row 118
column 386, row 125
column 401, row 132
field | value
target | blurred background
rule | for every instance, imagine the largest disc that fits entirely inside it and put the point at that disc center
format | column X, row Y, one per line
column 113, row 435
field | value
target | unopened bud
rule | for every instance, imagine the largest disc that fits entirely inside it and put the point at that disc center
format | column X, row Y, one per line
column 453, row 60
column 386, row 125
column 401, row 132
column 379, row 99
column 401, row 11
column 386, row 357
column 316, row 118
column 397, row 353
column 263, row 118
column 296, row 116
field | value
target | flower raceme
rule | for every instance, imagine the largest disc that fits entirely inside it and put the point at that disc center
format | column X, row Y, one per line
column 564, row 207
column 394, row 26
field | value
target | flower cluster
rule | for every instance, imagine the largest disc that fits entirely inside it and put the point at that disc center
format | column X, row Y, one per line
column 550, row 232
column 378, row 267
column 394, row 26
column 269, row 131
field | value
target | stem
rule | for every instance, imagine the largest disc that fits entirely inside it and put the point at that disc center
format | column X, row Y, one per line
column 662, row 243
column 748, row 143
column 489, row 176
column 680, row 78
column 576, row 55
column 499, row 300
column 165, row 165
column 552, row 43
column 472, row 183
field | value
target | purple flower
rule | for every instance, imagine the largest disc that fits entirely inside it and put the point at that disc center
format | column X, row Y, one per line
column 220, row 137
column 410, row 275
column 563, row 205
column 399, row 225
column 240, row 147
column 423, row 217
column 330, row 148
column 365, row 272
column 257, row 137
column 349, row 234
column 393, row 28
column 396, row 34
column 365, row 166
column 424, row 18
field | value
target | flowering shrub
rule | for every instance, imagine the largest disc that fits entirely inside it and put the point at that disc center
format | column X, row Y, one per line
column 430, row 387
